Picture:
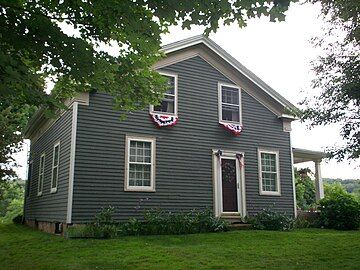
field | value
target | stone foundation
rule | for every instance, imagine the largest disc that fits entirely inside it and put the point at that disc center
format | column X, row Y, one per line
column 45, row 226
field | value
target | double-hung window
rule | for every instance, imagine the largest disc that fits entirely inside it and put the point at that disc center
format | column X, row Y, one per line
column 55, row 168
column 229, row 104
column 168, row 105
column 269, row 172
column 140, row 164
column 41, row 174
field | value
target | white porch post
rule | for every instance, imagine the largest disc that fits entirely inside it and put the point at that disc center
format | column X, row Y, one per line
column 319, row 187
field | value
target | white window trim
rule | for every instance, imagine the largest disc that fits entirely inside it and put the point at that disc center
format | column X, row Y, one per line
column 220, row 85
column 40, row 188
column 54, row 189
column 127, row 187
column 270, row 193
column 175, row 76
column 217, row 182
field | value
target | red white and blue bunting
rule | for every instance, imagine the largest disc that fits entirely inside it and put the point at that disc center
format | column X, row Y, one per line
column 164, row 120
column 234, row 128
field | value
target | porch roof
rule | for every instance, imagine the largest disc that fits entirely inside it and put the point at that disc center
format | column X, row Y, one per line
column 304, row 155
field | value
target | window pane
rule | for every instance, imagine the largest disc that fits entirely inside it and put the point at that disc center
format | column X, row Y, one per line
column 170, row 85
column 140, row 151
column 139, row 174
column 54, row 177
column 230, row 95
column 56, row 155
column 167, row 105
column 269, row 181
column 230, row 113
column 268, row 162
column 42, row 164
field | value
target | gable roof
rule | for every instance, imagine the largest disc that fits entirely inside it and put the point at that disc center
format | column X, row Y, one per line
column 202, row 40
column 175, row 47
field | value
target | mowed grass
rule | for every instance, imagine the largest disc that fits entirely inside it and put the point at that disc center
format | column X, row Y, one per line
column 25, row 248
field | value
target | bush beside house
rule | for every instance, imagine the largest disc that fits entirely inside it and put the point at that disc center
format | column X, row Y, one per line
column 340, row 210
column 154, row 222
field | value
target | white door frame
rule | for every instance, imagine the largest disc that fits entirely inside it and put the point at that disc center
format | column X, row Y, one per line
column 217, row 182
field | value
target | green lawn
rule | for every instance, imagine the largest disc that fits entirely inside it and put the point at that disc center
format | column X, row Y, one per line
column 24, row 248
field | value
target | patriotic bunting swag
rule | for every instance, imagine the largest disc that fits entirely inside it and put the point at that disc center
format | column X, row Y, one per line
column 234, row 128
column 164, row 120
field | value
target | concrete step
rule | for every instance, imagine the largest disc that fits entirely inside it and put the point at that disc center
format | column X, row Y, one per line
column 240, row 226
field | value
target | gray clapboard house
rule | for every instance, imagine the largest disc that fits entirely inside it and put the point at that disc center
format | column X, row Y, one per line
column 220, row 139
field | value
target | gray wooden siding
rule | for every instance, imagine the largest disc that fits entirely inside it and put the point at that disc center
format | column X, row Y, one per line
column 183, row 152
column 50, row 206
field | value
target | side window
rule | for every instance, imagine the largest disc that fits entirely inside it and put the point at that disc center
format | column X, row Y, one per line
column 168, row 105
column 29, row 176
column 269, row 172
column 55, row 168
column 229, row 104
column 41, row 174
column 140, row 164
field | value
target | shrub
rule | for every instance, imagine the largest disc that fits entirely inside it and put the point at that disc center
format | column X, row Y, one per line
column 18, row 219
column 104, row 226
column 340, row 211
column 271, row 220
column 307, row 220
column 155, row 222
column 165, row 222
column 132, row 227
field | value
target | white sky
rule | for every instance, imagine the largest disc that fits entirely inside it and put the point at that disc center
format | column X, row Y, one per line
column 280, row 54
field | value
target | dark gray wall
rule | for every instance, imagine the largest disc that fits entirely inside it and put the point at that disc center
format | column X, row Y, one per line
column 183, row 152
column 50, row 206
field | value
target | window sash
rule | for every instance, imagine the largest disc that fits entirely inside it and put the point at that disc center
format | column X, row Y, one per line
column 269, row 184
column 55, row 167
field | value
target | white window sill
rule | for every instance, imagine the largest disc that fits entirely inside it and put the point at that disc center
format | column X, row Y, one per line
column 270, row 193
column 53, row 190
column 139, row 189
column 164, row 113
column 229, row 122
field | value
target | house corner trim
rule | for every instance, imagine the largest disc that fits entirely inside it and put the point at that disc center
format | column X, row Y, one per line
column 72, row 162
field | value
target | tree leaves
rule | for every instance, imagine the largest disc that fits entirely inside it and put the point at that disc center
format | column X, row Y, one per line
column 338, row 77
column 33, row 45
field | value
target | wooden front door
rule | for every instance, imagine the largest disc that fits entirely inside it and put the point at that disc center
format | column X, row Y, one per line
column 229, row 185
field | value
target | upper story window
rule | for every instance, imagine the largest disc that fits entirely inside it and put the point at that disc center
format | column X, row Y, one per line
column 29, row 176
column 140, row 164
column 229, row 104
column 41, row 174
column 168, row 105
column 55, row 167
column 269, row 172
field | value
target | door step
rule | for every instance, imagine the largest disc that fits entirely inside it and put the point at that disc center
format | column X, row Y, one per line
column 240, row 226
